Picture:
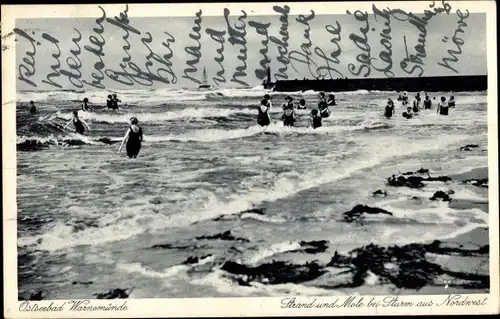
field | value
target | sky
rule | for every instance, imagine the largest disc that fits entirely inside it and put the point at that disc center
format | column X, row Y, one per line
column 352, row 61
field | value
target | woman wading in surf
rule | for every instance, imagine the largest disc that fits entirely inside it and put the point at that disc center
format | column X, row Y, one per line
column 78, row 123
column 133, row 138
column 263, row 118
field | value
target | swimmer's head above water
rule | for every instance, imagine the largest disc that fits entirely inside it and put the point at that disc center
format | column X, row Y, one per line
column 302, row 102
column 267, row 97
column 443, row 98
column 109, row 96
column 75, row 113
column 134, row 120
column 85, row 100
column 288, row 98
column 314, row 112
column 322, row 95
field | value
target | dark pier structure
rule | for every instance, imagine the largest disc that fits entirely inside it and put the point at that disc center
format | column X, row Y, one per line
column 411, row 84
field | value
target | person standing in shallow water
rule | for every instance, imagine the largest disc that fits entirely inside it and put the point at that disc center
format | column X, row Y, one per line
column 316, row 119
column 451, row 102
column 323, row 106
column 85, row 105
column 389, row 109
column 115, row 102
column 133, row 138
column 263, row 118
column 408, row 114
column 442, row 107
column 331, row 100
column 302, row 104
column 288, row 116
column 78, row 123
column 427, row 103
column 109, row 102
column 32, row 107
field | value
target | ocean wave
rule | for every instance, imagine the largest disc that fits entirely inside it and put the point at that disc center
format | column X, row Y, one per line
column 129, row 223
column 216, row 135
column 25, row 143
column 171, row 272
column 187, row 113
column 220, row 280
column 274, row 249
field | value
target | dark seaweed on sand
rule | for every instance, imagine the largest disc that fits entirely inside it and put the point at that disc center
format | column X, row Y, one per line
column 404, row 266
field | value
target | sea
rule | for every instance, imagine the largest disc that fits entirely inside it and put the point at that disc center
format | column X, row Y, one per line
column 210, row 187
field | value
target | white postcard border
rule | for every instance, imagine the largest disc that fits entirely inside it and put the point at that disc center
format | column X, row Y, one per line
column 206, row 307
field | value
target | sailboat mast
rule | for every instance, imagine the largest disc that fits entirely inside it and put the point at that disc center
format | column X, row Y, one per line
column 205, row 81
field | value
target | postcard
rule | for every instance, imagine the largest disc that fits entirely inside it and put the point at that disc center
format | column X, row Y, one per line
column 250, row 159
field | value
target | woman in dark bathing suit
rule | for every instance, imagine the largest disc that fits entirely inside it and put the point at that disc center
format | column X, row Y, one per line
column 389, row 109
column 263, row 118
column 133, row 138
column 288, row 116
column 408, row 114
column 302, row 104
column 323, row 106
column 316, row 119
column 32, row 107
column 78, row 123
column 451, row 102
column 331, row 100
column 109, row 102
column 85, row 106
column 115, row 102
column 427, row 103
column 442, row 107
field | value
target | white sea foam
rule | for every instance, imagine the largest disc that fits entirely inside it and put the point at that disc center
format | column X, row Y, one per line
column 174, row 271
column 266, row 252
column 283, row 186
column 221, row 281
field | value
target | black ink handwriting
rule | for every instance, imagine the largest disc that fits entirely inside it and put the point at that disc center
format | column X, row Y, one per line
column 122, row 22
column 334, row 56
column 54, row 67
column 261, row 28
column 417, row 60
column 153, row 55
column 27, row 70
column 237, row 36
column 362, row 43
column 74, row 63
column 459, row 42
column 283, row 43
column 99, row 43
column 218, row 36
column 304, row 56
column 385, row 41
column 169, row 55
column 194, row 50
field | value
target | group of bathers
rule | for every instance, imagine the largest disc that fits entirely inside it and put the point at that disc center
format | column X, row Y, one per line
column 442, row 106
column 289, row 116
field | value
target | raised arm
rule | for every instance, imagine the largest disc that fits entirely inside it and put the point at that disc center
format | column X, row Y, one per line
column 125, row 138
column 65, row 126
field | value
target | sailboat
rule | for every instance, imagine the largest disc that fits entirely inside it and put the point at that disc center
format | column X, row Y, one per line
column 205, row 84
